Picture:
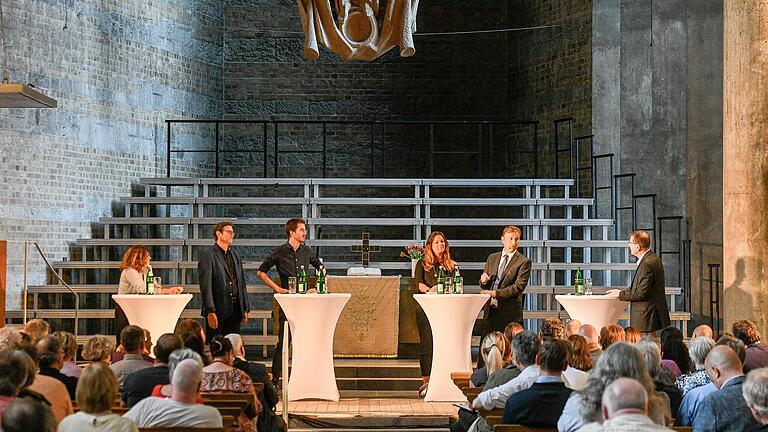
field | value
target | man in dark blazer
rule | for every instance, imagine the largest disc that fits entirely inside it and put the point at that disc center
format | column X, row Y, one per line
column 724, row 410
column 504, row 278
column 222, row 285
column 649, row 311
column 541, row 405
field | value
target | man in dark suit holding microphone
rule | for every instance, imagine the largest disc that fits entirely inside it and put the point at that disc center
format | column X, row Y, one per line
column 649, row 311
column 504, row 278
column 222, row 285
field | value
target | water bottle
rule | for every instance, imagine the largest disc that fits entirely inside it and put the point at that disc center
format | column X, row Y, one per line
column 150, row 281
column 579, row 288
column 321, row 280
column 440, row 280
column 302, row 289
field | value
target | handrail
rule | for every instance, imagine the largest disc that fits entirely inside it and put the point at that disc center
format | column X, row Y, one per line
column 50, row 267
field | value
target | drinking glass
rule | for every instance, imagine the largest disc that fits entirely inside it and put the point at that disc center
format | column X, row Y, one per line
column 292, row 283
column 448, row 285
column 587, row 286
column 158, row 284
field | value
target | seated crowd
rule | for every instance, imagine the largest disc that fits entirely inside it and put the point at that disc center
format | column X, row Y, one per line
column 42, row 389
column 571, row 377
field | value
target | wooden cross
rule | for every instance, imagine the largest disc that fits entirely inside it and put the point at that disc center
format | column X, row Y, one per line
column 365, row 249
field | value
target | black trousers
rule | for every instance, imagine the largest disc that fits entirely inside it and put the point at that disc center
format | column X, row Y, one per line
column 277, row 356
column 425, row 342
column 227, row 325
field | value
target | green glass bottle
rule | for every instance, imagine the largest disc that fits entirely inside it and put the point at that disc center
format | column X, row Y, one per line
column 458, row 287
column 440, row 280
column 302, row 288
column 321, row 280
column 150, row 281
column 579, row 287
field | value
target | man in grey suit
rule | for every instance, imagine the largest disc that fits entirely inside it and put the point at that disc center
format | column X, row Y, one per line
column 724, row 410
column 504, row 278
column 222, row 284
column 649, row 311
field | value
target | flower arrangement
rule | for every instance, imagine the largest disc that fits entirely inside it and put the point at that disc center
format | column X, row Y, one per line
column 414, row 252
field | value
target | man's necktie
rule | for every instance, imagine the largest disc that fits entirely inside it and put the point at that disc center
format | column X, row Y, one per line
column 503, row 267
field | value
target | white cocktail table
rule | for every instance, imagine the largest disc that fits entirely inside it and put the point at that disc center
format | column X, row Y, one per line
column 312, row 319
column 595, row 310
column 451, row 317
column 156, row 313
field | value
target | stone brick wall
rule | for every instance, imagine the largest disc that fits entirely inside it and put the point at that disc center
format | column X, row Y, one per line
column 550, row 70
column 117, row 70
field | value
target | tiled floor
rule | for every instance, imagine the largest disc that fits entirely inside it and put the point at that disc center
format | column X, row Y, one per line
column 371, row 408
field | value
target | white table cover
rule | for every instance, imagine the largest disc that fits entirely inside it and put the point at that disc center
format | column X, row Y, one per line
column 595, row 310
column 156, row 313
column 451, row 317
column 312, row 319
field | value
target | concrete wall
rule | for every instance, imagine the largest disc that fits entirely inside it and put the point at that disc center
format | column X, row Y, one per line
column 118, row 70
column 657, row 97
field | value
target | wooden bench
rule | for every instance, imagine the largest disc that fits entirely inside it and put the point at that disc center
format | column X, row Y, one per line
column 520, row 428
column 461, row 379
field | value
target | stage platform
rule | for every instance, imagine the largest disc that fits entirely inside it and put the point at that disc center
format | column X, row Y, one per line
column 376, row 394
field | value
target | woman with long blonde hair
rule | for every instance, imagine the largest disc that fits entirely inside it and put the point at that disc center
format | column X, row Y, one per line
column 437, row 254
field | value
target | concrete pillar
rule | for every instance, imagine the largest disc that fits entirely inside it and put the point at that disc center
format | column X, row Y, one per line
column 745, row 162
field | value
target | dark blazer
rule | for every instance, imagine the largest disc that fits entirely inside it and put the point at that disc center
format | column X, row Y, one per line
column 70, row 382
column 725, row 410
column 510, row 290
column 539, row 406
column 139, row 385
column 214, row 279
column 649, row 304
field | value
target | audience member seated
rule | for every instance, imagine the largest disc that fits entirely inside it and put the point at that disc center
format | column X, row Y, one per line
column 553, row 329
column 16, row 372
column 572, row 327
column 525, row 348
column 510, row 371
column 52, row 390
column 541, row 404
column 755, row 390
column 703, row 330
column 725, row 409
column 50, row 359
column 257, row 371
column 176, row 357
column 28, row 415
column 196, row 343
column 757, row 352
column 190, row 326
column 624, row 407
column 651, row 353
column 139, row 385
column 132, row 340
column 619, row 360
column 96, row 391
column 36, row 329
column 698, row 348
column 592, row 336
column 146, row 348
column 631, row 335
column 98, row 349
column 69, row 345
column 492, row 350
column 181, row 409
column 9, row 338
column 674, row 353
column 580, row 358
column 220, row 376
column 611, row 334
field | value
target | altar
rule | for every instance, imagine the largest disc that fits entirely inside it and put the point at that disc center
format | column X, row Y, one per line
column 368, row 325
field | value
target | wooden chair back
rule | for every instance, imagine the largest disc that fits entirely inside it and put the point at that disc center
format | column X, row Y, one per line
column 461, row 379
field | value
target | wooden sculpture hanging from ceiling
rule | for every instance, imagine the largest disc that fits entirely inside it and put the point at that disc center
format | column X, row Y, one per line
column 363, row 31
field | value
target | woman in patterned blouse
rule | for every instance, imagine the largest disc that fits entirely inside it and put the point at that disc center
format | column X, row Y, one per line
column 698, row 349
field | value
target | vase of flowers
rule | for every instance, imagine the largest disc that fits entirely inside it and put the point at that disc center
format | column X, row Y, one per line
column 415, row 252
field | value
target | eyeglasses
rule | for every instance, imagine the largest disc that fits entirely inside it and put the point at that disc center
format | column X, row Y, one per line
column 228, row 231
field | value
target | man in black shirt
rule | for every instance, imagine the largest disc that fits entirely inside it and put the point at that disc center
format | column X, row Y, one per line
column 50, row 356
column 222, row 285
column 288, row 259
column 139, row 384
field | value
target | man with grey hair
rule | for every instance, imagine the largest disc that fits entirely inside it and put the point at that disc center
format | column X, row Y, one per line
column 572, row 327
column 725, row 409
column 592, row 336
column 625, row 408
column 181, row 409
column 755, row 390
column 257, row 371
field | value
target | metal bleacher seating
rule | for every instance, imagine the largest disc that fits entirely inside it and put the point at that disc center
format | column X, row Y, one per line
column 175, row 216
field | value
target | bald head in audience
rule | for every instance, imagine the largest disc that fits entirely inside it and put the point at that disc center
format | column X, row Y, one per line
column 572, row 327
column 624, row 396
column 722, row 364
column 703, row 330
column 592, row 336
